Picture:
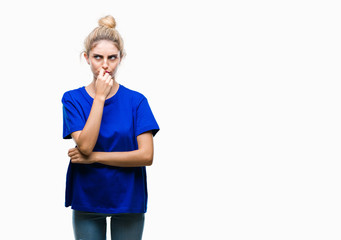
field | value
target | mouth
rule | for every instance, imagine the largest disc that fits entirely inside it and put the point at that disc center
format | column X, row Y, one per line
column 107, row 72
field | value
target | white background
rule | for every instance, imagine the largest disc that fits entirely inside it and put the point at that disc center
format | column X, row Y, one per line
column 247, row 95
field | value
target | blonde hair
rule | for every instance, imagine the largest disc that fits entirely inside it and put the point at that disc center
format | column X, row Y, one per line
column 105, row 31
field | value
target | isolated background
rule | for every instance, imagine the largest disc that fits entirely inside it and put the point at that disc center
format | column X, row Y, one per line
column 247, row 95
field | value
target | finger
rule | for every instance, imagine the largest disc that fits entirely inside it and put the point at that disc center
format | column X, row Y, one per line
column 108, row 80
column 72, row 154
column 77, row 160
column 74, row 161
column 111, row 83
column 101, row 72
column 71, row 150
column 106, row 76
column 75, row 157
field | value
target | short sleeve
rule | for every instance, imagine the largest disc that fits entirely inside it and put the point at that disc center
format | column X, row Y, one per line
column 145, row 120
column 72, row 120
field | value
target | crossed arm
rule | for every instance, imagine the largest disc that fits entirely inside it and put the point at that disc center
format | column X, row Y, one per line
column 87, row 138
column 143, row 156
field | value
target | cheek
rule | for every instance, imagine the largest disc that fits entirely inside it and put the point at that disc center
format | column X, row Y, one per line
column 94, row 66
column 115, row 65
column 94, row 70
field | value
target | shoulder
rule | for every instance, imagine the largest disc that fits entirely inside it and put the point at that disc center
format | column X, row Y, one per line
column 134, row 96
column 72, row 94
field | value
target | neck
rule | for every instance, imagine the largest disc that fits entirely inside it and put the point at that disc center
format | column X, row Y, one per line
column 91, row 89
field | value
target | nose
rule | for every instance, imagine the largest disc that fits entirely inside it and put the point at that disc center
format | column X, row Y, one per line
column 105, row 64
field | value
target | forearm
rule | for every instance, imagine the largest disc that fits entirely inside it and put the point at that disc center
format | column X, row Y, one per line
column 136, row 158
column 143, row 156
column 87, row 138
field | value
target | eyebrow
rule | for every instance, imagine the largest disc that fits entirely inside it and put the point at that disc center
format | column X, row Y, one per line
column 113, row 55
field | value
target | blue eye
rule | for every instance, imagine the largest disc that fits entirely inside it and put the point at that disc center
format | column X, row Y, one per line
column 97, row 57
column 113, row 57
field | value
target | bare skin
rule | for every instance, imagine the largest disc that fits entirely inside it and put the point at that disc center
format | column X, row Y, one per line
column 141, row 157
column 104, row 59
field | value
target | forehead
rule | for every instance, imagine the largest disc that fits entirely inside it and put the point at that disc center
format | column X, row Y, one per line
column 105, row 47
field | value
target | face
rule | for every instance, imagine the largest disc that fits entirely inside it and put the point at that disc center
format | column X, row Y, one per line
column 104, row 55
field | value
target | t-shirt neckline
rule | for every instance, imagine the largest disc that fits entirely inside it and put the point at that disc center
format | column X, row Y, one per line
column 107, row 101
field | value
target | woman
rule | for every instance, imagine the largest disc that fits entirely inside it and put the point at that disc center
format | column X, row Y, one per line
column 113, row 128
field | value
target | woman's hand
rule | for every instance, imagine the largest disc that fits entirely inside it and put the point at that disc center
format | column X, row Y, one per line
column 86, row 139
column 77, row 157
column 103, row 85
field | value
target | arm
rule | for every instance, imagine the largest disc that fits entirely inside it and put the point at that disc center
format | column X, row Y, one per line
column 143, row 156
column 87, row 138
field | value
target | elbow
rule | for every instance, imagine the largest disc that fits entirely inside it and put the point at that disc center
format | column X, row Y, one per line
column 85, row 150
column 84, row 145
column 149, row 162
column 148, row 158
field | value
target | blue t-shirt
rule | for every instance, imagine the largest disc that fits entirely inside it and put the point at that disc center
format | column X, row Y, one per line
column 98, row 187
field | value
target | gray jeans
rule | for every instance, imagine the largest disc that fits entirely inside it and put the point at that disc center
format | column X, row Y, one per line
column 93, row 226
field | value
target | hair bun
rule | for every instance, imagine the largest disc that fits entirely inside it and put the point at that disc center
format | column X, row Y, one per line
column 107, row 21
